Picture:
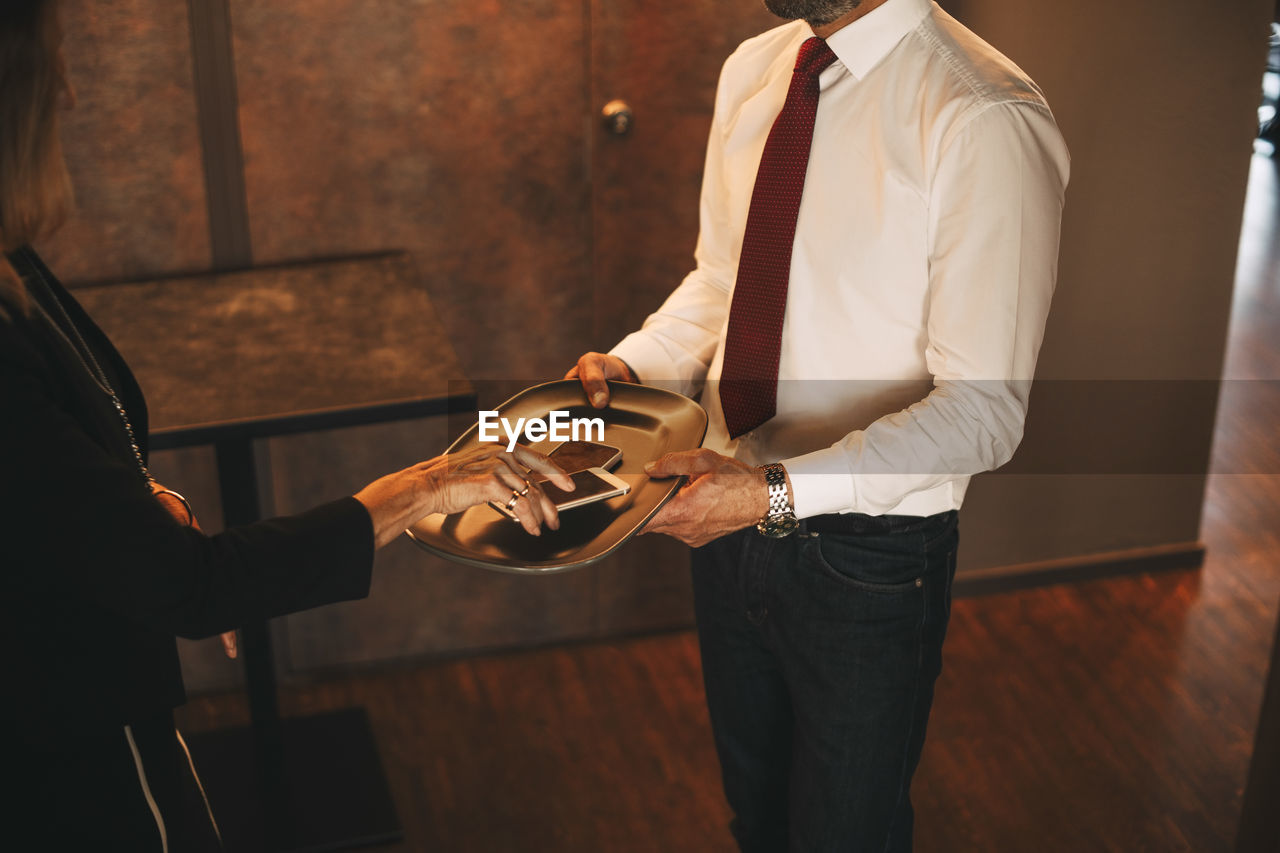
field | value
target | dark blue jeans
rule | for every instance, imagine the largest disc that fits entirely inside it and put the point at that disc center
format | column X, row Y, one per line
column 819, row 654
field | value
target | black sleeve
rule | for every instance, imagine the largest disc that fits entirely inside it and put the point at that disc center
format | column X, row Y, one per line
column 80, row 523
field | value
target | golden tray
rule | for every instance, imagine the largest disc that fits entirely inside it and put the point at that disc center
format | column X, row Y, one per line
column 644, row 422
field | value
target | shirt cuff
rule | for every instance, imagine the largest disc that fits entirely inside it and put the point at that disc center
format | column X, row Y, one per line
column 821, row 482
column 646, row 358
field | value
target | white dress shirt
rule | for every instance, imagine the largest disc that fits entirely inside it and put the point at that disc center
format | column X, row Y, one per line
column 924, row 261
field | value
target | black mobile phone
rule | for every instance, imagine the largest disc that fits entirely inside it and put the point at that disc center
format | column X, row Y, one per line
column 579, row 455
column 590, row 485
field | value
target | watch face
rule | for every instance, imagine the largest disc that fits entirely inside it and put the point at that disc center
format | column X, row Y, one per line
column 778, row 526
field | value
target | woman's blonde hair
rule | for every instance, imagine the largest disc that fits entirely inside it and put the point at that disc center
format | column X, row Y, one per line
column 35, row 190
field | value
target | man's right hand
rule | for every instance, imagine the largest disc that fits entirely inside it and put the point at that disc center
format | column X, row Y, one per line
column 595, row 369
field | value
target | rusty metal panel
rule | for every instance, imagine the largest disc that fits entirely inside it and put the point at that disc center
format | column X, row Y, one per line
column 451, row 129
column 645, row 184
column 132, row 145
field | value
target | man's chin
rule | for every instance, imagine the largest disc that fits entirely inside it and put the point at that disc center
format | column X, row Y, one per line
column 815, row 12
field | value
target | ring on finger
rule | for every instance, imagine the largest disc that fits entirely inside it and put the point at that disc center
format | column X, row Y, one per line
column 517, row 494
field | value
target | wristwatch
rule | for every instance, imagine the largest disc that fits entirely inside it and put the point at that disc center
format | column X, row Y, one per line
column 780, row 520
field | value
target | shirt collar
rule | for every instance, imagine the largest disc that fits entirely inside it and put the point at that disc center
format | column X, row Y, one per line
column 860, row 45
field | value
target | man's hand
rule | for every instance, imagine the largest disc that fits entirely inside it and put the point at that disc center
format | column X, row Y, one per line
column 722, row 495
column 594, row 369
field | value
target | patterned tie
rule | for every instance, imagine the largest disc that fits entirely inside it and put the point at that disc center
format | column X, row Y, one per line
column 753, row 342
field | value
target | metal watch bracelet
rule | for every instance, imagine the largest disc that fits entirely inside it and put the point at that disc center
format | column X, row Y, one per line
column 780, row 519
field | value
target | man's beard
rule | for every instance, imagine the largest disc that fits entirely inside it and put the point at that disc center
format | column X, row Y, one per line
column 816, row 12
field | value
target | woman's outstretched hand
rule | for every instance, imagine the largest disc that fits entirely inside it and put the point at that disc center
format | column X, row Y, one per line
column 453, row 482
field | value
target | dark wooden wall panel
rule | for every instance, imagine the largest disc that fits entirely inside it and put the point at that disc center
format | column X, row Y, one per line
column 451, row 129
column 132, row 145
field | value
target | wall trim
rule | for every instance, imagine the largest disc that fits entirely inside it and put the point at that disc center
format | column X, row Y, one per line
column 218, row 111
column 1104, row 564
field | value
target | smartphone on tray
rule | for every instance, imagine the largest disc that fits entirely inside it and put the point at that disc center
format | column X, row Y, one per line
column 579, row 455
column 590, row 486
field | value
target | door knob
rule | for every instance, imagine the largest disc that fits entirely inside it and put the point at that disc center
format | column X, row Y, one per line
column 617, row 117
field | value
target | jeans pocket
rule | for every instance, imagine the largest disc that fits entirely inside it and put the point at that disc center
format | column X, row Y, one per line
column 941, row 530
column 884, row 564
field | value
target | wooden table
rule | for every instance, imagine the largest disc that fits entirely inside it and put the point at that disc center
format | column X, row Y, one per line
column 226, row 359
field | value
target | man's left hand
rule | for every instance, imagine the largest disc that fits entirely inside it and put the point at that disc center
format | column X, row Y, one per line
column 722, row 495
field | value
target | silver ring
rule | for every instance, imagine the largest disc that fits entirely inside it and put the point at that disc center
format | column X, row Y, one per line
column 515, row 496
column 525, row 490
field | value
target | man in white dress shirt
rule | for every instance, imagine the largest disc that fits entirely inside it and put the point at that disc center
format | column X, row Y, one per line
column 920, row 276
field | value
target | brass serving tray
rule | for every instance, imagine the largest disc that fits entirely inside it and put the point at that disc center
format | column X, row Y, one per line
column 644, row 422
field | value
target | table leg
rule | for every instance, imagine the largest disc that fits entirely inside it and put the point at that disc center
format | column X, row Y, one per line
column 242, row 504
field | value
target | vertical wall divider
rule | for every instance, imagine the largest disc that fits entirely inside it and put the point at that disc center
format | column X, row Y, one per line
column 217, row 109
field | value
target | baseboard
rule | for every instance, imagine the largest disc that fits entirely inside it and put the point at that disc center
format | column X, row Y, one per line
column 1157, row 558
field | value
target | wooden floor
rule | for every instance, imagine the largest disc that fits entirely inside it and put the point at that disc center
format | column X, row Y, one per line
column 1114, row 715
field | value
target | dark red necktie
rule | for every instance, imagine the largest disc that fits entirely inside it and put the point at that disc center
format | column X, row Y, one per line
column 753, row 342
